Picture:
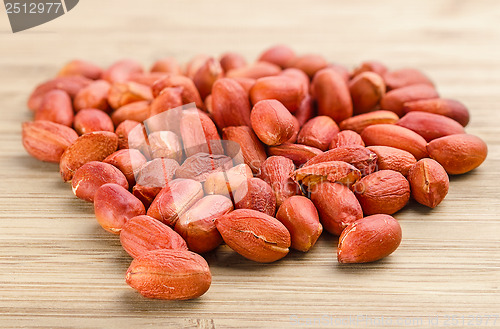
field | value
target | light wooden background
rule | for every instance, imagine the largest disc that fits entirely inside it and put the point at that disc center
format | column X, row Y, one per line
column 59, row 269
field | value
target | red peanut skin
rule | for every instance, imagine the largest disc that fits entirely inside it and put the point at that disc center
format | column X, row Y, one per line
column 366, row 89
column 257, row 195
column 56, row 107
column 122, row 131
column 396, row 136
column 80, row 67
column 169, row 274
column 298, row 153
column 429, row 182
column 430, row 126
column 94, row 96
column 174, row 200
column 197, row 225
column 127, row 161
column 71, row 84
column 136, row 111
column 92, row 175
column 447, row 107
column 359, row 122
column 370, row 66
column 189, row 92
column 306, row 111
column 89, row 120
column 382, row 192
column 276, row 171
column 230, row 104
column 272, row 122
column 252, row 149
column 405, row 77
column 254, row 235
column 93, row 146
column 206, row 76
column 369, row 239
column 122, row 70
column 458, row 154
column 230, row 61
column 114, row 206
column 318, row 132
column 391, row 158
column 300, row 217
column 255, row 71
column 394, row 100
column 358, row 156
column 337, row 206
column 347, row 138
column 166, row 65
column 280, row 55
column 286, row 90
column 309, row 63
column 332, row 95
column 57, row 138
column 143, row 233
column 169, row 98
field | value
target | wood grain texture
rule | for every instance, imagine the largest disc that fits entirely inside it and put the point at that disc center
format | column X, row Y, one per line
column 59, row 269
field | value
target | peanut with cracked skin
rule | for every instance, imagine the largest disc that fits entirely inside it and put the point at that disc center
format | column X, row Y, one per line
column 226, row 183
column 429, row 182
column 254, row 235
column 369, row 239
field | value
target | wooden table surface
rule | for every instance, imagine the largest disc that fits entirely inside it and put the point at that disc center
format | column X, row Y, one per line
column 59, row 269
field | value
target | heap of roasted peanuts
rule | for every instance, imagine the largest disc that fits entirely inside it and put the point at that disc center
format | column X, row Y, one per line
column 258, row 156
